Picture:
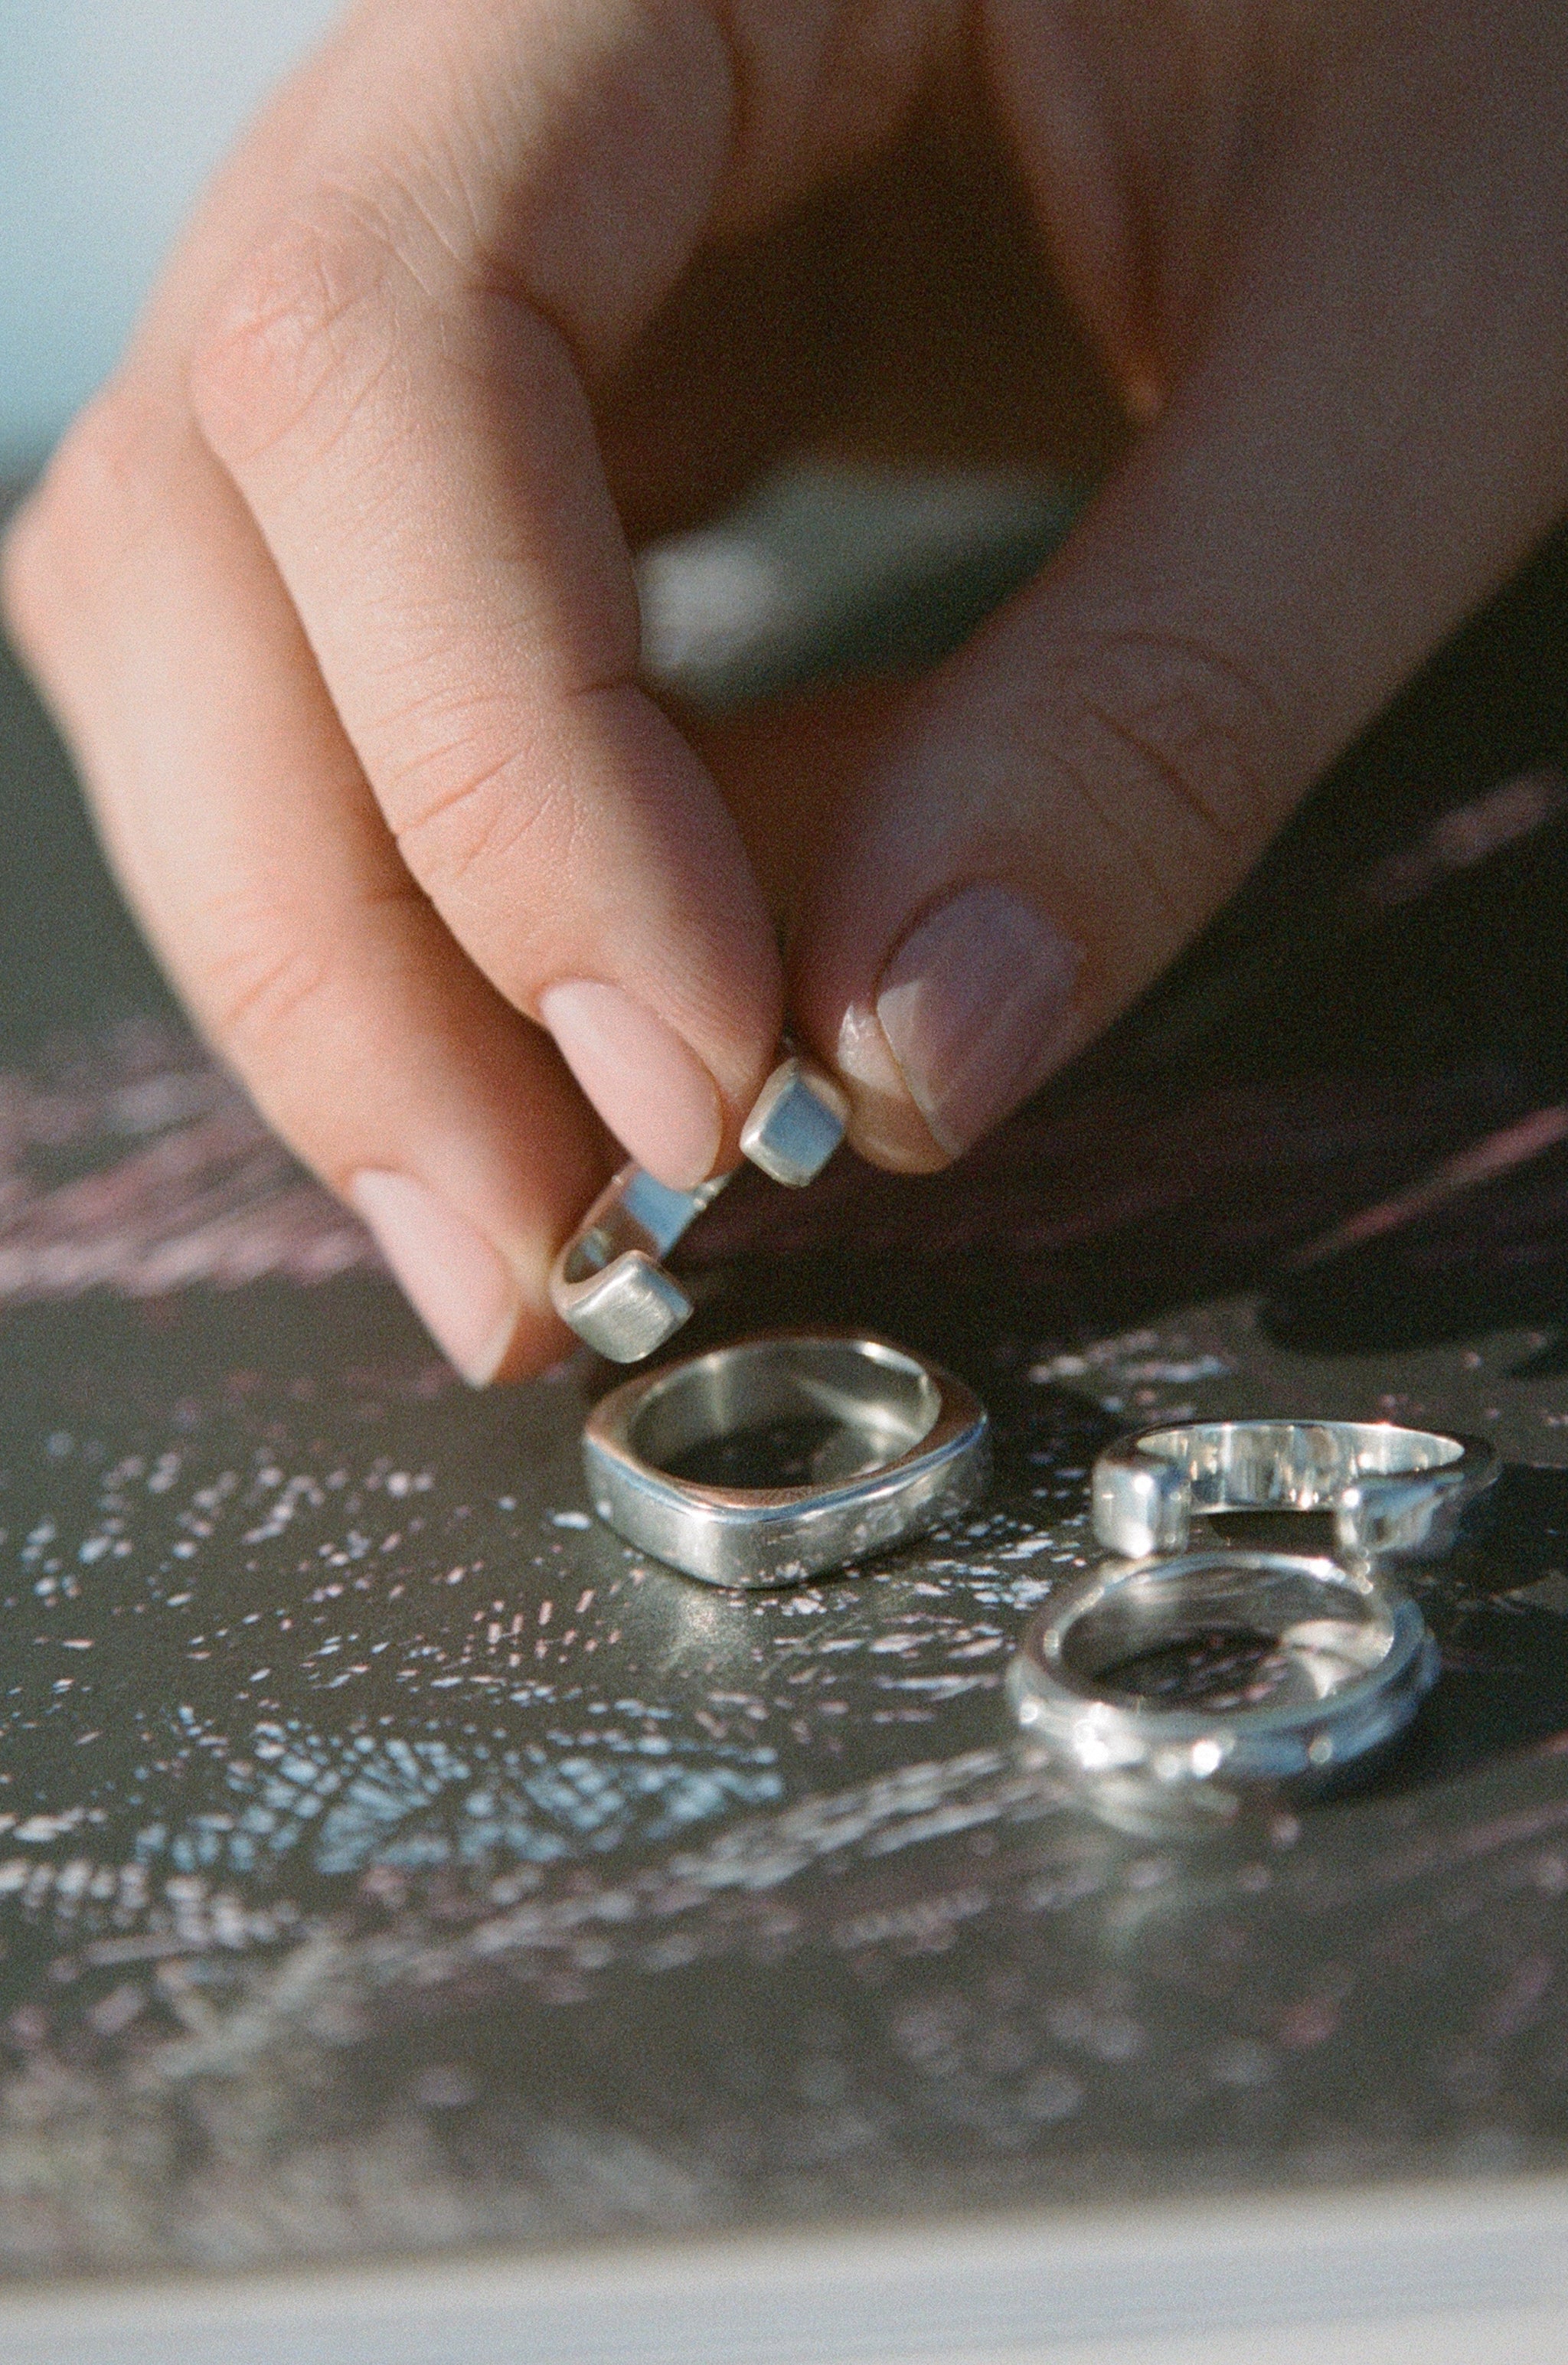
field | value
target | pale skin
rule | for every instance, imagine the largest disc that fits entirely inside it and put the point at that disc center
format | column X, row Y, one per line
column 332, row 590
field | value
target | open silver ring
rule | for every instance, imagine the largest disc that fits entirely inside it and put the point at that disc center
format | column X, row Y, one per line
column 608, row 1281
column 877, row 1444
column 1312, row 1664
column 1395, row 1493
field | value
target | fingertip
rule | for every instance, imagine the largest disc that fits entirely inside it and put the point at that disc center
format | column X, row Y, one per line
column 541, row 1345
column 646, row 1083
column 974, row 1004
column 457, row 1281
column 970, row 1012
column 487, row 1318
column 884, row 1126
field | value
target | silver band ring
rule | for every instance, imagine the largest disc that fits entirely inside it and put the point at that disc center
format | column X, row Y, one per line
column 1349, row 1661
column 894, row 1444
column 1394, row 1492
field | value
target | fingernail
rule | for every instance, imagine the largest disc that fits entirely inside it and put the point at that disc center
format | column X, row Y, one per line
column 972, row 1004
column 459, row 1286
column 650, row 1088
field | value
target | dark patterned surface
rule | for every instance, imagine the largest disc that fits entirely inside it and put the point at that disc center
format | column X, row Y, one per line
column 390, row 1860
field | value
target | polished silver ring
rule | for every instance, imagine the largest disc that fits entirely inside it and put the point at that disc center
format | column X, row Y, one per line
column 1394, row 1492
column 608, row 1281
column 1348, row 1659
column 892, row 1444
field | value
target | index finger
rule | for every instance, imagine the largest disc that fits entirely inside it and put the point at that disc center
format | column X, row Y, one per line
column 395, row 380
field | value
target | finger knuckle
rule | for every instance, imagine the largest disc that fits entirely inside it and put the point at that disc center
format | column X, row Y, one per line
column 1184, row 746
column 484, row 831
column 296, row 335
column 475, row 800
column 263, row 991
column 98, row 498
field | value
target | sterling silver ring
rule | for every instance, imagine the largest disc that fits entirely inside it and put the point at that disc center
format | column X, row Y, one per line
column 887, row 1444
column 1394, row 1492
column 1312, row 1662
column 607, row 1281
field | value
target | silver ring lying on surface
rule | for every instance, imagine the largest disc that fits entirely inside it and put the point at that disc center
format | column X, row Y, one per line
column 1348, row 1659
column 894, row 1444
column 1395, row 1492
column 608, row 1281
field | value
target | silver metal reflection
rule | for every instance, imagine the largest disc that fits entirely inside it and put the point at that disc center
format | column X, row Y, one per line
column 1348, row 1661
column 797, row 1124
column 1304, row 1662
column 1395, row 1493
column 903, row 1444
column 608, row 1281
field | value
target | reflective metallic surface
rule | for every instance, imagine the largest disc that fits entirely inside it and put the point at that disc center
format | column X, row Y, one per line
column 797, row 1124
column 899, row 1444
column 1395, row 1492
column 1331, row 1664
column 608, row 1281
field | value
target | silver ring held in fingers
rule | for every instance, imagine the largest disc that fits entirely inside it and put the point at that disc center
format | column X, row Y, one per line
column 899, row 1444
column 1395, row 1493
column 609, row 1283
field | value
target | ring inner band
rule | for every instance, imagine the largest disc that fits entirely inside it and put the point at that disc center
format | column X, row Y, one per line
column 1228, row 1634
column 790, row 1416
column 1259, row 1465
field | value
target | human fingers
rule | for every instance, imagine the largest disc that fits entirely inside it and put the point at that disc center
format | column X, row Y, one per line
column 905, row 316
column 241, row 826
column 1362, row 442
column 393, row 380
column 546, row 169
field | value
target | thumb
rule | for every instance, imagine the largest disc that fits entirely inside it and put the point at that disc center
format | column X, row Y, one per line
column 1066, row 802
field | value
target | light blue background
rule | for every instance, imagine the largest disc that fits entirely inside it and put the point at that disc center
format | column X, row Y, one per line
column 112, row 113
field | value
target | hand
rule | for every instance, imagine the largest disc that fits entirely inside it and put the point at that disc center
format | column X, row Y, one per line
column 331, row 588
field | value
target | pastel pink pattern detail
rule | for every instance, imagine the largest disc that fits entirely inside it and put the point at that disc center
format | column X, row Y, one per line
column 137, row 1165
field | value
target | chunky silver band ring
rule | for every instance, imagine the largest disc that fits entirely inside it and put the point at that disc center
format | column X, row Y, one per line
column 1347, row 1663
column 1394, row 1492
column 892, row 1444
